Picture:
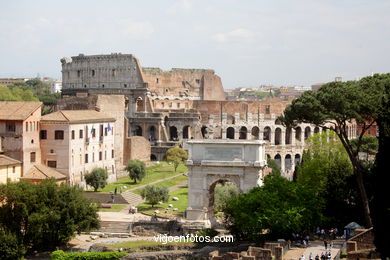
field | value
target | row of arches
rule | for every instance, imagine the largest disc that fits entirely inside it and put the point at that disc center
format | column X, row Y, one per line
column 174, row 133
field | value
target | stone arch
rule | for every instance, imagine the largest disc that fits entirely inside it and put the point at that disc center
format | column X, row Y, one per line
column 153, row 157
column 288, row 162
column 230, row 133
column 278, row 122
column 203, row 130
column 278, row 160
column 152, row 133
column 186, row 132
column 173, row 133
column 267, row 133
column 138, row 130
column 307, row 132
column 268, row 156
column 297, row 159
column 298, row 133
column 243, row 132
column 278, row 136
column 316, row 130
column 288, row 137
column 255, row 133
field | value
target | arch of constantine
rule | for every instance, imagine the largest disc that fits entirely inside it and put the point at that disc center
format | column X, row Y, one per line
column 239, row 161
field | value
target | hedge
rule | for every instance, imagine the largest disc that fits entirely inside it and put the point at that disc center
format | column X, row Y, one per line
column 61, row 255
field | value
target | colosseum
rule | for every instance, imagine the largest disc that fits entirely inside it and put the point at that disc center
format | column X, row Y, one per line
column 168, row 107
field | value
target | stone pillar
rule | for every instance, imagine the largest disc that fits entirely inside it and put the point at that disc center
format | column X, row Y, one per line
column 223, row 133
column 272, row 136
column 236, row 134
column 249, row 134
column 250, row 118
column 224, row 118
column 145, row 102
column 278, row 253
column 261, row 134
column 236, row 118
column 283, row 137
column 282, row 163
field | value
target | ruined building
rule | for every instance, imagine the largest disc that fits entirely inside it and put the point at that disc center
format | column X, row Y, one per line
column 167, row 107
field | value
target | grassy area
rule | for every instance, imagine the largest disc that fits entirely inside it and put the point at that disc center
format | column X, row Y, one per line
column 153, row 173
column 181, row 204
column 135, row 245
column 168, row 183
column 114, row 208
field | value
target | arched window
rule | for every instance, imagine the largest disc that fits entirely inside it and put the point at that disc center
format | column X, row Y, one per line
column 278, row 160
column 152, row 133
column 173, row 133
column 288, row 135
column 307, row 132
column 287, row 162
column 267, row 133
column 138, row 130
column 278, row 136
column 255, row 133
column 230, row 133
column 203, row 130
column 298, row 133
column 297, row 159
column 186, row 132
column 243, row 132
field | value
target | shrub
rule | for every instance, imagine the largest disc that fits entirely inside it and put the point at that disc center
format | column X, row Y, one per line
column 153, row 194
column 10, row 248
column 61, row 255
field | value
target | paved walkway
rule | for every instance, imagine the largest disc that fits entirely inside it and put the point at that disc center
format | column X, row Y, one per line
column 315, row 248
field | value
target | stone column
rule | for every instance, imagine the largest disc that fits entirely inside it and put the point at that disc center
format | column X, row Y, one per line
column 223, row 133
column 261, row 134
column 272, row 136
column 283, row 137
column 282, row 163
column 249, row 134
column 236, row 134
column 292, row 137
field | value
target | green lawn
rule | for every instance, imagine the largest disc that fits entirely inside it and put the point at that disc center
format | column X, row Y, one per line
column 135, row 245
column 168, row 183
column 153, row 173
column 181, row 204
column 114, row 208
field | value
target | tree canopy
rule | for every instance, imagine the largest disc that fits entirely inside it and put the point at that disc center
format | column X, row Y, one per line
column 97, row 178
column 136, row 170
column 154, row 194
column 176, row 155
column 44, row 215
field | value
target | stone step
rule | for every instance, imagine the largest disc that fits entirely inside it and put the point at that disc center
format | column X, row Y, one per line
column 132, row 198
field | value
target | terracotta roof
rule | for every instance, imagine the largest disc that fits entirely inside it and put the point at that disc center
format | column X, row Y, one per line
column 5, row 160
column 17, row 110
column 77, row 116
column 42, row 172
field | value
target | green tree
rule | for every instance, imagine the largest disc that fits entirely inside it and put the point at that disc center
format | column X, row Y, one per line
column 10, row 247
column 333, row 107
column 97, row 178
column 273, row 210
column 176, row 155
column 45, row 215
column 223, row 195
column 136, row 170
column 154, row 194
column 273, row 165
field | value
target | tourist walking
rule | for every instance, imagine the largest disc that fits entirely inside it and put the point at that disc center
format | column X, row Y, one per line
column 115, row 191
column 112, row 198
column 326, row 244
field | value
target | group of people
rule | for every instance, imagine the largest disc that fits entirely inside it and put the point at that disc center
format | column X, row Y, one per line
column 324, row 256
column 331, row 233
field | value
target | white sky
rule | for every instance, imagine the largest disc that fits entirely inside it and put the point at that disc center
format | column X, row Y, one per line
column 247, row 42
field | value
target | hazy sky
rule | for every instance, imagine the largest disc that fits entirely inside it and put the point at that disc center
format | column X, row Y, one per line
column 246, row 42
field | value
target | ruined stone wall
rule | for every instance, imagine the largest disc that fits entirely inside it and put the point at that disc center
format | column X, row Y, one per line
column 137, row 148
column 101, row 72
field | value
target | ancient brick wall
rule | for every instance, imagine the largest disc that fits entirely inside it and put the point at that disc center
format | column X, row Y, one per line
column 137, row 147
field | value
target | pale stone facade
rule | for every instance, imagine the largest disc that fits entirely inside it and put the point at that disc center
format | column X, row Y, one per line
column 239, row 161
column 10, row 169
column 71, row 146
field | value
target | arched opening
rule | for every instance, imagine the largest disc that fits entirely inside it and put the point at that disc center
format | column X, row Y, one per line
column 138, row 130
column 255, row 133
column 316, row 130
column 278, row 122
column 278, row 160
column 186, row 132
column 153, row 157
column 220, row 193
column 278, row 136
column 230, row 133
column 288, row 137
column 203, row 130
column 140, row 104
column 287, row 162
column 297, row 159
column 268, row 156
column 243, row 132
column 152, row 133
column 298, row 133
column 173, row 133
column 307, row 132
column 166, row 122
column 267, row 133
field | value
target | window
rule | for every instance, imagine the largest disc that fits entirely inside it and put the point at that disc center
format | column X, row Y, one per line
column 112, row 130
column 86, row 158
column 32, row 157
column 105, row 155
column 113, row 72
column 26, row 126
column 100, row 156
column 268, row 109
column 103, row 86
column 112, row 153
column 78, row 73
column 73, row 134
column 101, row 130
column 13, row 169
column 43, row 134
column 52, row 164
column 31, row 129
column 10, row 126
column 93, row 132
column 81, row 133
column 105, row 131
column 93, row 73
column 156, row 80
column 93, row 157
column 197, row 81
column 51, row 151
column 59, row 134
column 125, row 85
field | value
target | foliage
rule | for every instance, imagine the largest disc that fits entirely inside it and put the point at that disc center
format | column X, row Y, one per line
column 97, row 178
column 176, row 155
column 61, row 255
column 16, row 94
column 45, row 215
column 10, row 247
column 136, row 170
column 154, row 194
column 210, row 232
column 273, row 165
column 223, row 195
column 327, row 171
column 367, row 144
column 273, row 210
